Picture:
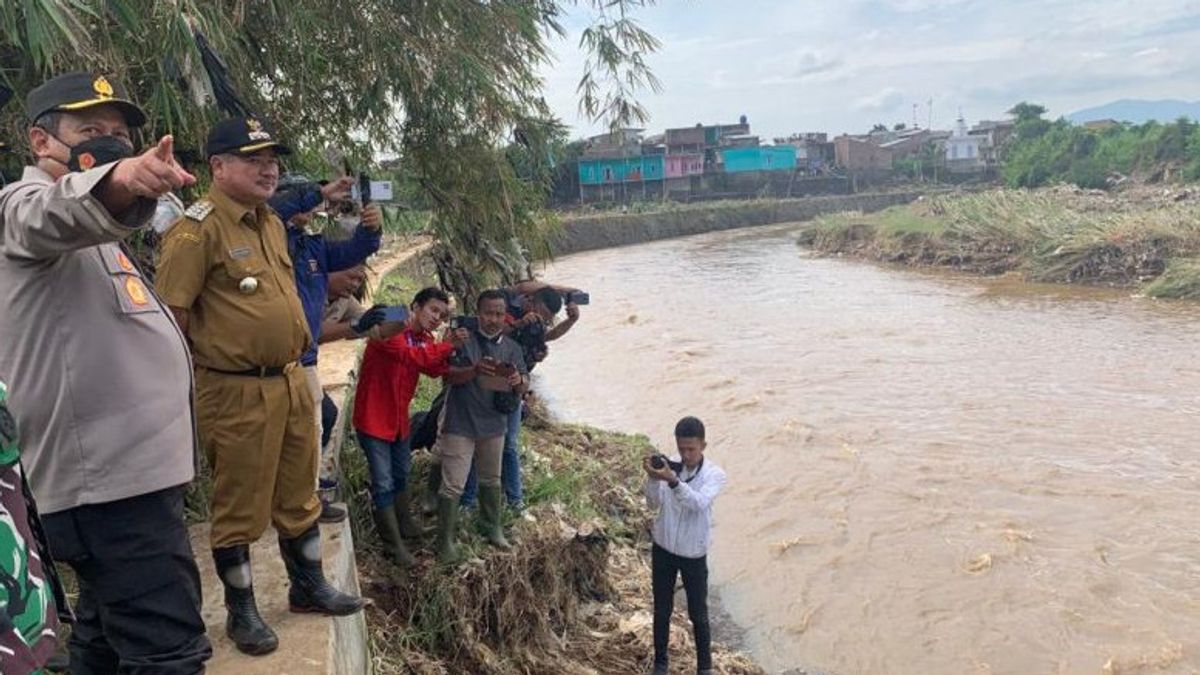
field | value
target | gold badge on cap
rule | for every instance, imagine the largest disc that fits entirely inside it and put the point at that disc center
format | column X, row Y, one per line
column 255, row 131
column 102, row 88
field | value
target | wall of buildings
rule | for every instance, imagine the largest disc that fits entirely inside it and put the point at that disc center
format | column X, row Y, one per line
column 621, row 169
column 762, row 158
column 855, row 155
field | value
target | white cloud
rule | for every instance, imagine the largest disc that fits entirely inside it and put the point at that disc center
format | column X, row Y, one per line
column 843, row 65
column 884, row 100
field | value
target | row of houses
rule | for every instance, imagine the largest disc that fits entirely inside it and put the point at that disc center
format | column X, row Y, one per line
column 682, row 162
column 728, row 160
column 963, row 150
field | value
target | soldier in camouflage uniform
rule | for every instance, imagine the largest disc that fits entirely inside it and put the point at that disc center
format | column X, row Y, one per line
column 29, row 589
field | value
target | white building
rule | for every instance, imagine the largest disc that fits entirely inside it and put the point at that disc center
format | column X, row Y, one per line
column 964, row 151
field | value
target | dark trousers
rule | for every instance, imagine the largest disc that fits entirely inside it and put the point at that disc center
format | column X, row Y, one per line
column 139, row 590
column 664, row 566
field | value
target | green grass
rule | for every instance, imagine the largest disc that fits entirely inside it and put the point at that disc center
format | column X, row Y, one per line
column 1181, row 280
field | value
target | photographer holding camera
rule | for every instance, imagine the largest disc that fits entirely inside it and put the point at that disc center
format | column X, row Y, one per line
column 485, row 383
column 682, row 493
column 531, row 307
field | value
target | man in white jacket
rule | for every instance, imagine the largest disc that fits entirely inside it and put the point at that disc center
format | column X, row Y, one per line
column 683, row 493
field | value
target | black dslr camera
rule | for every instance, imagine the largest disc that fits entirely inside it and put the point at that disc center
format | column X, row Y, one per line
column 659, row 461
column 578, row 298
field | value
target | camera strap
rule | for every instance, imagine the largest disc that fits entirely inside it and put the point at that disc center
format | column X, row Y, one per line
column 697, row 473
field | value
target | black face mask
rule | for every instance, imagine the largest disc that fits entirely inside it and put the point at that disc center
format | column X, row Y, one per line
column 97, row 151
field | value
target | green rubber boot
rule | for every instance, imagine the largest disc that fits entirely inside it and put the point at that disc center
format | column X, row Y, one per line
column 389, row 534
column 409, row 529
column 433, row 483
column 447, row 509
column 490, row 499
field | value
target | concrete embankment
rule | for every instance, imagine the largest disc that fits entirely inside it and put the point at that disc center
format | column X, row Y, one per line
column 588, row 233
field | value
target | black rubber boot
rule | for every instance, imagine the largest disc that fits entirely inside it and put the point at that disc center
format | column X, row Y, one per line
column 490, row 499
column 310, row 592
column 243, row 624
column 389, row 534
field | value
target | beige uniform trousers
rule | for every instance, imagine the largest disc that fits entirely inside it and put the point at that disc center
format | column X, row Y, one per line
column 260, row 441
column 456, row 453
column 326, row 456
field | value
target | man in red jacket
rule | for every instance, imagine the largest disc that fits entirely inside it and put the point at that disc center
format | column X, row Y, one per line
column 386, row 383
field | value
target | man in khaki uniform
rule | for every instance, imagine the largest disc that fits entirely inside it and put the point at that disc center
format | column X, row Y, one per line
column 101, row 379
column 226, row 273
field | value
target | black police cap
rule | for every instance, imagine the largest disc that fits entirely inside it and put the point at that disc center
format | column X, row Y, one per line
column 79, row 91
column 242, row 136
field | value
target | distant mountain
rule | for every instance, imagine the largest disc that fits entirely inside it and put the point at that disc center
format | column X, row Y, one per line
column 1138, row 111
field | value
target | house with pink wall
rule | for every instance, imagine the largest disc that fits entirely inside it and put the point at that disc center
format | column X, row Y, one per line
column 690, row 164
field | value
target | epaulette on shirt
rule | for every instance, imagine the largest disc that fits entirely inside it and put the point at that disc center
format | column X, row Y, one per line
column 200, row 210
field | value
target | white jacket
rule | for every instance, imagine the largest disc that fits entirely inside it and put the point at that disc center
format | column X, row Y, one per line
column 685, row 512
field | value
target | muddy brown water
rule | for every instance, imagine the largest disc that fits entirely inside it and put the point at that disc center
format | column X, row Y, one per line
column 929, row 473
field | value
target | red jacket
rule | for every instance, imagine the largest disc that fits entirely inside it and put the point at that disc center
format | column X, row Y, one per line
column 388, row 377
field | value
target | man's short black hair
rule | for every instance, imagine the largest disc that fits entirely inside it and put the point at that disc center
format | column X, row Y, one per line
column 550, row 298
column 689, row 427
column 490, row 294
column 430, row 293
column 49, row 121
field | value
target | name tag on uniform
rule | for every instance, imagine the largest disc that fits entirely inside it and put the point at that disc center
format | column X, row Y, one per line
column 240, row 252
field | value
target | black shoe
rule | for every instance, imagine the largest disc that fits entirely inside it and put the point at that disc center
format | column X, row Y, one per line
column 243, row 624
column 331, row 513
column 310, row 592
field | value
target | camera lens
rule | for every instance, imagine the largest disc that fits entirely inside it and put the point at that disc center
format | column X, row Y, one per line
column 658, row 462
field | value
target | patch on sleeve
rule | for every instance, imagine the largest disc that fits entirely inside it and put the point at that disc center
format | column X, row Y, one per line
column 200, row 210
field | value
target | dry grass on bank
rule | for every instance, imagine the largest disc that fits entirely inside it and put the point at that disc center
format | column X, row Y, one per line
column 1055, row 235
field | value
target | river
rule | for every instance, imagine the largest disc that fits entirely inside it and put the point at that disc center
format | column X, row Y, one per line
column 929, row 473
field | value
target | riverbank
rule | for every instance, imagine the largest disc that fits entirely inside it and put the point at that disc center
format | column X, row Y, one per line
column 574, row 594
column 592, row 232
column 1147, row 240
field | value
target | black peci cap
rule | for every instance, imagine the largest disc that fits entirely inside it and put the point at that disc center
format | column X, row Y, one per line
column 79, row 91
column 242, row 136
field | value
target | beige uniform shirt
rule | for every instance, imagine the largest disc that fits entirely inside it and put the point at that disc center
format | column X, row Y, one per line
column 206, row 257
column 100, row 370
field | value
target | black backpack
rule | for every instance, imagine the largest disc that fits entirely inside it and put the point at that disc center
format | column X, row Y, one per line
column 424, row 424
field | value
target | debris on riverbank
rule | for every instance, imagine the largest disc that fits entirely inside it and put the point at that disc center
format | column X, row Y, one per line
column 572, row 597
column 1147, row 240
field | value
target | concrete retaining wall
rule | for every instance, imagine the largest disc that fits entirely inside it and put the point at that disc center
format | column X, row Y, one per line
column 596, row 232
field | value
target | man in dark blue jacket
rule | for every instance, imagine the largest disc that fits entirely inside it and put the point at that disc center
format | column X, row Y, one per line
column 313, row 259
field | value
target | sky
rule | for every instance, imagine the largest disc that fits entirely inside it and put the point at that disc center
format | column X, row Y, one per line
column 844, row 65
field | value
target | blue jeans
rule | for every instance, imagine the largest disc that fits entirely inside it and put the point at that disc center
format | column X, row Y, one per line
column 510, row 467
column 389, row 463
